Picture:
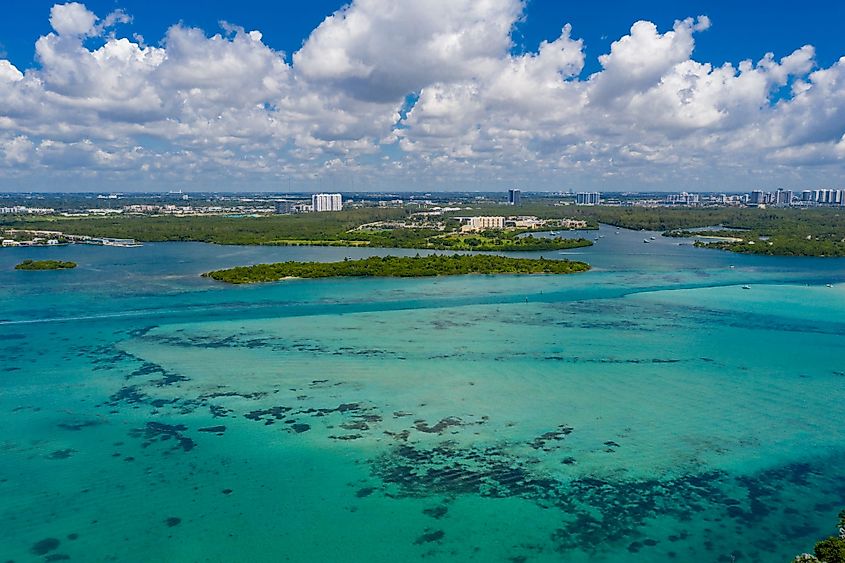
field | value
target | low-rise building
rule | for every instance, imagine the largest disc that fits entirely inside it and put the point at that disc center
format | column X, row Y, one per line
column 482, row 223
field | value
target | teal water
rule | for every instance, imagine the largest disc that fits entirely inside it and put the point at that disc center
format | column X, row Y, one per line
column 648, row 410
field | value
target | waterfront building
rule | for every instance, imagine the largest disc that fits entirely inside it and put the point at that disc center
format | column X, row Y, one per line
column 758, row 197
column 326, row 202
column 474, row 224
column 588, row 198
column 514, row 196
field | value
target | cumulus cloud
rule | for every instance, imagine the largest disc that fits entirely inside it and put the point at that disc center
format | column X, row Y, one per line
column 381, row 50
column 423, row 95
column 72, row 19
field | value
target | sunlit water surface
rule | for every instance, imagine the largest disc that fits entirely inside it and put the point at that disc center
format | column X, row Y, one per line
column 650, row 410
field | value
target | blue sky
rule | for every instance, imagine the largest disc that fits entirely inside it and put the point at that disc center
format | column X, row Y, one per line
column 344, row 107
column 740, row 29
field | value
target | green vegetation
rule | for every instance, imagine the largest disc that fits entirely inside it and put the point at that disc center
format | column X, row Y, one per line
column 828, row 550
column 273, row 229
column 320, row 229
column 776, row 232
column 393, row 266
column 45, row 265
column 782, row 232
column 502, row 241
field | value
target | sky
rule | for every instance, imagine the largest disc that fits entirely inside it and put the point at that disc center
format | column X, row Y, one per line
column 423, row 95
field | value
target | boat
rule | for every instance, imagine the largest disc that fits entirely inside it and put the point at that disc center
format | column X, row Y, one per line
column 829, row 285
column 645, row 240
column 732, row 267
column 746, row 287
column 652, row 238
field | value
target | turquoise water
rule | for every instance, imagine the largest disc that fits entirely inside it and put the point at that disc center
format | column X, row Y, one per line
column 649, row 410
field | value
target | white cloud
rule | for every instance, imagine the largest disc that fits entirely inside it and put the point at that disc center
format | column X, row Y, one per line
column 228, row 108
column 381, row 50
column 9, row 73
column 73, row 19
column 17, row 150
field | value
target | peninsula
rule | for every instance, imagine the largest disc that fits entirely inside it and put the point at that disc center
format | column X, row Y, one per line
column 396, row 266
column 45, row 265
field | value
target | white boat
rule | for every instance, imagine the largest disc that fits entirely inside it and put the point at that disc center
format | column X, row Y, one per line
column 645, row 240
column 746, row 287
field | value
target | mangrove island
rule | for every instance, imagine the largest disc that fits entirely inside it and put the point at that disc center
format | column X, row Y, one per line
column 45, row 265
column 398, row 266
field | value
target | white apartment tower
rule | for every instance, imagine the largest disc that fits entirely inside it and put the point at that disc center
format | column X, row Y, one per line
column 326, row 202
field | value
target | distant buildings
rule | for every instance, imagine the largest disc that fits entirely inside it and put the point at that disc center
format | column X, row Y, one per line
column 22, row 210
column 530, row 222
column 326, row 202
column 784, row 198
column 284, row 207
column 514, row 196
column 474, row 224
column 834, row 197
column 683, row 198
column 588, row 198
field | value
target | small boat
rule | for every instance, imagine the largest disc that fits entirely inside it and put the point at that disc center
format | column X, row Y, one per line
column 732, row 267
column 652, row 238
column 617, row 232
column 645, row 240
column 746, row 287
column 829, row 285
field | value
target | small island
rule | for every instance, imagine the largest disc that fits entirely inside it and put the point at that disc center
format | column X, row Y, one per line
column 398, row 266
column 45, row 265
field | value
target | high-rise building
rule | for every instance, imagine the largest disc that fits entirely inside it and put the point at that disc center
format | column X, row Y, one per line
column 588, row 198
column 757, row 197
column 514, row 196
column 326, row 202
column 782, row 197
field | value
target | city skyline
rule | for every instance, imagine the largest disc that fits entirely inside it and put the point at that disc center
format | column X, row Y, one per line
column 436, row 96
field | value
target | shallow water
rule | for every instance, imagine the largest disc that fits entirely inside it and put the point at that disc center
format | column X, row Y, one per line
column 648, row 410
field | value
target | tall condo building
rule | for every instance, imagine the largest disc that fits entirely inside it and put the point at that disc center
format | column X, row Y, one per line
column 514, row 197
column 326, row 202
column 588, row 198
